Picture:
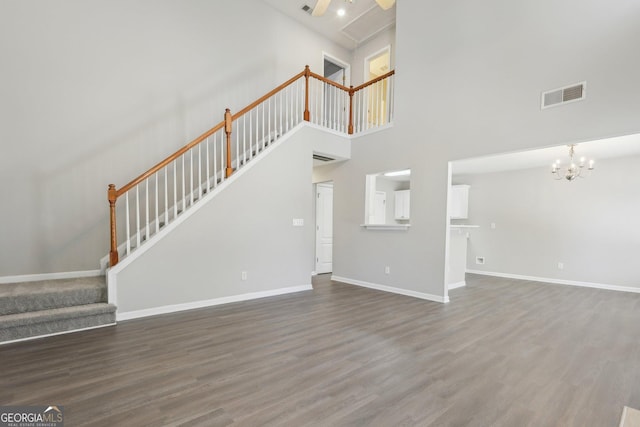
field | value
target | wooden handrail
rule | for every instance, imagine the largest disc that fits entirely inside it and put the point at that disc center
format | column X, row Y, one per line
column 374, row 81
column 169, row 159
column 235, row 116
column 268, row 95
column 330, row 82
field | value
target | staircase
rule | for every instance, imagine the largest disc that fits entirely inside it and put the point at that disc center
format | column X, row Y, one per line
column 158, row 197
column 33, row 309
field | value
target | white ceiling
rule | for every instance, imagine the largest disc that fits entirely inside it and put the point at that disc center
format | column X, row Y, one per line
column 596, row 150
column 363, row 19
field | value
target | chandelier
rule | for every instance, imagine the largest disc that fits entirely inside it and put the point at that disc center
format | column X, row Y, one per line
column 573, row 170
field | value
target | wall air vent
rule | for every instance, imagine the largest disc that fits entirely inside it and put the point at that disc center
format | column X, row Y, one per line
column 322, row 158
column 307, row 9
column 564, row 95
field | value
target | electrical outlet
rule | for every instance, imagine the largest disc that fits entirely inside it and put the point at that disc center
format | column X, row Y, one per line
column 480, row 260
column 560, row 266
column 298, row 222
column 493, row 225
column 243, row 275
column 387, row 270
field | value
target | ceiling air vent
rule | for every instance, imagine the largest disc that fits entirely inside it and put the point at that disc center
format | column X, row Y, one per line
column 572, row 93
column 322, row 158
column 307, row 9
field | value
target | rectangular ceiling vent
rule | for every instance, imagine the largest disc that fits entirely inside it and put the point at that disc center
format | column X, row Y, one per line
column 322, row 158
column 307, row 9
column 564, row 95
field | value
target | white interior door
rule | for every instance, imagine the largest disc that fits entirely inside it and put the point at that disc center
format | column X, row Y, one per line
column 324, row 228
column 380, row 208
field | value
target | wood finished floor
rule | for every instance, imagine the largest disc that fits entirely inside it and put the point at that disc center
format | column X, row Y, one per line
column 502, row 353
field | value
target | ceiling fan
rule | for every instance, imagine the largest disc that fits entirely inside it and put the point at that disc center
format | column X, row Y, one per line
column 322, row 5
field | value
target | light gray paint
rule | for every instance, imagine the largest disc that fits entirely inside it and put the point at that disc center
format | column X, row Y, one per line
column 468, row 84
column 457, row 255
column 247, row 227
column 588, row 224
column 331, row 145
column 97, row 92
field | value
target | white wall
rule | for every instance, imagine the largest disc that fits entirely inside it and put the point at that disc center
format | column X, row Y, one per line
column 588, row 224
column 246, row 227
column 97, row 92
column 469, row 77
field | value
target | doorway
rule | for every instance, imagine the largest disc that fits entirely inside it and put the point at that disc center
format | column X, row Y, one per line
column 376, row 65
column 324, row 227
column 334, row 100
column 336, row 70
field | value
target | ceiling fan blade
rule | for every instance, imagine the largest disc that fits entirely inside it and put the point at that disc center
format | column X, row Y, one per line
column 321, row 7
column 386, row 4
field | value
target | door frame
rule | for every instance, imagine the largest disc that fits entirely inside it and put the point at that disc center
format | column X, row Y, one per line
column 368, row 58
column 340, row 62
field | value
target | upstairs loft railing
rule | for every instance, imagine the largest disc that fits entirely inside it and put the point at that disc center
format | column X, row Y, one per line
column 158, row 196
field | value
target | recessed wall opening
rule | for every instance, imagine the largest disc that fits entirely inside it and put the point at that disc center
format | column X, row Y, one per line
column 546, row 216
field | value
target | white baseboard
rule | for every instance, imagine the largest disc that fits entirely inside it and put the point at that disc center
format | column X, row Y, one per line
column 391, row 289
column 37, row 337
column 166, row 309
column 49, row 276
column 558, row 281
column 457, row 285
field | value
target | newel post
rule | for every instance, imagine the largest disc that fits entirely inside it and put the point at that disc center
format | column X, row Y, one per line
column 307, row 73
column 227, row 129
column 351, row 110
column 113, row 196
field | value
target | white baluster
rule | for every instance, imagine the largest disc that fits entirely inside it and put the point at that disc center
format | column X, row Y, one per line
column 250, row 133
column 146, row 210
column 199, row 171
column 137, row 216
column 285, row 93
column 184, row 184
column 157, row 220
column 368, row 103
column 338, row 121
column 281, row 118
column 263, row 135
column 392, row 81
column 175, row 188
column 215, row 163
column 244, row 139
column 223, row 147
column 208, row 181
column 166, row 195
column 237, row 146
column 191, row 187
column 127, row 220
column 269, row 121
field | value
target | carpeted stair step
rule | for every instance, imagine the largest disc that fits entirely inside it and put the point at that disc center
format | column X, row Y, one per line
column 48, row 294
column 56, row 320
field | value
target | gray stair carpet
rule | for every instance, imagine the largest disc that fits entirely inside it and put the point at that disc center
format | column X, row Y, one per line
column 39, row 308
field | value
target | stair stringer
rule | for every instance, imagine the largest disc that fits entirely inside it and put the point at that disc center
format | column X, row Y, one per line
column 140, row 267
